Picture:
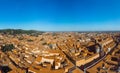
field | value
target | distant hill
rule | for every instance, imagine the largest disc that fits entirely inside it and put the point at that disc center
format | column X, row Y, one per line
column 19, row 31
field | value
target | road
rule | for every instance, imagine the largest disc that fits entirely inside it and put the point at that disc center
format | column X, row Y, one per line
column 96, row 61
column 91, row 64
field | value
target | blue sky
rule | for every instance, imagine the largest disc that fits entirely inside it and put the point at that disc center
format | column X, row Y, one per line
column 60, row 15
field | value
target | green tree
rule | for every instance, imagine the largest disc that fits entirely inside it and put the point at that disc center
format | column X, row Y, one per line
column 7, row 47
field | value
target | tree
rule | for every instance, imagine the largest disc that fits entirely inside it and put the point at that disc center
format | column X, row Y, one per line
column 7, row 47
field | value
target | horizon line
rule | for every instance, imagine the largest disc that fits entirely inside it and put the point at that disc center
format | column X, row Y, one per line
column 63, row 30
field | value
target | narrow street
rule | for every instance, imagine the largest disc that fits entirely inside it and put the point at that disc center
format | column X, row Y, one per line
column 96, row 61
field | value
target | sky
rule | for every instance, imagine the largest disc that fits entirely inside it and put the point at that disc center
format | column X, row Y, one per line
column 60, row 15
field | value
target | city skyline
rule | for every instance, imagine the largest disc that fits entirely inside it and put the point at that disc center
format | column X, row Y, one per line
column 60, row 15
